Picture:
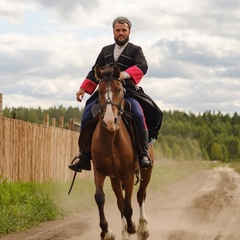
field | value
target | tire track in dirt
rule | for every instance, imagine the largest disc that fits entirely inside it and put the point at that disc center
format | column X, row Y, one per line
column 214, row 214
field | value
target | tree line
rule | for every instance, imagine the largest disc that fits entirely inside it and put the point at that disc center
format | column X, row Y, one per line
column 210, row 136
column 183, row 136
column 36, row 115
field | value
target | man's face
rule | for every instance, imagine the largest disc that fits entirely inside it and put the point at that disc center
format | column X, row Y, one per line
column 121, row 33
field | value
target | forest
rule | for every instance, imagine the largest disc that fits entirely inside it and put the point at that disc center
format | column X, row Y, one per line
column 183, row 136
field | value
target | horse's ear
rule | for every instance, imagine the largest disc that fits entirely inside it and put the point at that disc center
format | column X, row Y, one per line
column 116, row 72
column 98, row 72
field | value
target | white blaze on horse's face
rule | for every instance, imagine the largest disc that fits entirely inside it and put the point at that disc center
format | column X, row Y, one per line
column 111, row 112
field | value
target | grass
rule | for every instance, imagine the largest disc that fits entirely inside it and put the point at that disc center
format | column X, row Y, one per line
column 168, row 171
column 235, row 166
column 24, row 205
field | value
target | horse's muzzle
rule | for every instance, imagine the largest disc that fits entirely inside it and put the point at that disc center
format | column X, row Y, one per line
column 110, row 124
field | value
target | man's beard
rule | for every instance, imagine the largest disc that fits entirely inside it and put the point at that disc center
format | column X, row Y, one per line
column 121, row 43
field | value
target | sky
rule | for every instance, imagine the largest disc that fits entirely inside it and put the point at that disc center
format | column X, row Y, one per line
column 192, row 47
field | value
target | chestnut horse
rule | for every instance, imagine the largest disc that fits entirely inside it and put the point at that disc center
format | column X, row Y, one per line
column 113, row 155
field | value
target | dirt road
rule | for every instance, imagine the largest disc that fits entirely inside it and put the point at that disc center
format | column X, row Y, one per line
column 205, row 206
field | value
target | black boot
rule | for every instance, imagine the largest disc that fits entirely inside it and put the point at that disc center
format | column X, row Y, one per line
column 144, row 158
column 83, row 162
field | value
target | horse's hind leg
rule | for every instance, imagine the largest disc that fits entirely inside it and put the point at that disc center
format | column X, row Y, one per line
column 127, row 209
column 143, row 232
column 106, row 234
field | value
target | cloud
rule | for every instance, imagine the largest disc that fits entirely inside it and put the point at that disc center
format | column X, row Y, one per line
column 62, row 6
column 71, row 10
column 14, row 10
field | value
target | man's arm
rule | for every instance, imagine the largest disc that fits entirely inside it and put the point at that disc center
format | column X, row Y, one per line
column 90, row 83
column 140, row 68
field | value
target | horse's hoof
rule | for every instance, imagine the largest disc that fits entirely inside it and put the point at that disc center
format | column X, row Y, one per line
column 131, row 229
column 143, row 235
column 109, row 236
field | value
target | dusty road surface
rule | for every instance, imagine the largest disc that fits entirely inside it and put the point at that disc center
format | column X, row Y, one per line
column 205, row 206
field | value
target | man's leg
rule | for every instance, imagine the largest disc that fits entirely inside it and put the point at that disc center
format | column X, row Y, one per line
column 138, row 116
column 84, row 157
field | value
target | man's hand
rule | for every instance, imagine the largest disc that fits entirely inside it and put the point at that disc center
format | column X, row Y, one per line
column 80, row 94
column 122, row 76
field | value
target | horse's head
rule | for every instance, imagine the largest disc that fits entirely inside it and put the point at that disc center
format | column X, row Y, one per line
column 111, row 95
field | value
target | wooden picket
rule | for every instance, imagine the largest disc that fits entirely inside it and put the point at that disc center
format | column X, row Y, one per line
column 33, row 152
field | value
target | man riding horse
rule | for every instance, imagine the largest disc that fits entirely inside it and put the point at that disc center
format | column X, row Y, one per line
column 133, row 65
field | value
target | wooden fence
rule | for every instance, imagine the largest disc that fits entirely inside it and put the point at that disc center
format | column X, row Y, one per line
column 33, row 152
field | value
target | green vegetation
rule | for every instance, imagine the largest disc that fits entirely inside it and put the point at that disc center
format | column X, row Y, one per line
column 210, row 136
column 24, row 205
column 235, row 166
column 37, row 115
column 169, row 171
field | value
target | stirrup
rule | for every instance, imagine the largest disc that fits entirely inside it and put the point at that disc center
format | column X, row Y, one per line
column 76, row 166
column 144, row 164
column 74, row 176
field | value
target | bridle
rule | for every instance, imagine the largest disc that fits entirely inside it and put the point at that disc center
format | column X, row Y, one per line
column 109, row 101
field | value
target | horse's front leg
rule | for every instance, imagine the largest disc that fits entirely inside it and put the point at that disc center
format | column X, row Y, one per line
column 117, row 188
column 127, row 210
column 106, row 234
